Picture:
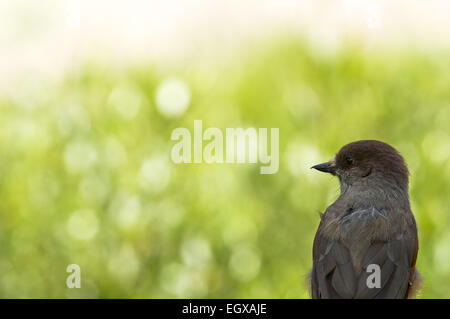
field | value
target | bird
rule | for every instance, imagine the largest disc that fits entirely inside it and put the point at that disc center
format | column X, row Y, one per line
column 370, row 223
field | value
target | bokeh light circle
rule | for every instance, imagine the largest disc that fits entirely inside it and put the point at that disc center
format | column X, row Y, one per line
column 172, row 97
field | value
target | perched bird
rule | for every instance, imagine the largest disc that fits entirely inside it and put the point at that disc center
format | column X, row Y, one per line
column 370, row 223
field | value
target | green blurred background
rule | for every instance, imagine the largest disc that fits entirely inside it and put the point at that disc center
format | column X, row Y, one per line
column 86, row 175
column 91, row 91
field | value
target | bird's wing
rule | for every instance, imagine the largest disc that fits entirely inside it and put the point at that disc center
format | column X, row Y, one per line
column 332, row 274
column 396, row 259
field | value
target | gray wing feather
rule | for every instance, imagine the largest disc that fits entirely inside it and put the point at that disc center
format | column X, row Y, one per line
column 395, row 261
column 333, row 275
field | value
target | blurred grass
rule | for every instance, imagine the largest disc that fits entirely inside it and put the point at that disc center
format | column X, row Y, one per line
column 86, row 176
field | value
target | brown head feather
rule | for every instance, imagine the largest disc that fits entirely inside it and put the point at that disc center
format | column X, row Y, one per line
column 374, row 155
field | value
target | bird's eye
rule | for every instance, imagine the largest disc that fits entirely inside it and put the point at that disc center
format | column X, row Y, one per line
column 349, row 160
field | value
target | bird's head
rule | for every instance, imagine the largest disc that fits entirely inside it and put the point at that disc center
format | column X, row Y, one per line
column 368, row 163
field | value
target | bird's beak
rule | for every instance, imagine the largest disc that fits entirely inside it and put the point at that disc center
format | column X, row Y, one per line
column 328, row 167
